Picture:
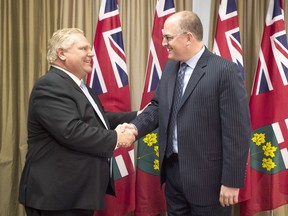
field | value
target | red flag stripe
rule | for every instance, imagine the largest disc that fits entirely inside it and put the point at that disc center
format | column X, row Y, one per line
column 267, row 108
column 150, row 199
column 109, row 79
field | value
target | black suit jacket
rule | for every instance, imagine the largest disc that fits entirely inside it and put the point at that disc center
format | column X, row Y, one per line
column 68, row 147
column 213, row 126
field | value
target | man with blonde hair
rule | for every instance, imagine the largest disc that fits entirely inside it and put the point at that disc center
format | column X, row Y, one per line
column 70, row 137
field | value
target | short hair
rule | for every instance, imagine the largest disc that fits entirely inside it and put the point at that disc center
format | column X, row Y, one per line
column 190, row 22
column 61, row 39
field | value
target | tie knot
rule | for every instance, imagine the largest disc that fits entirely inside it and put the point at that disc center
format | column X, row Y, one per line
column 183, row 64
column 183, row 67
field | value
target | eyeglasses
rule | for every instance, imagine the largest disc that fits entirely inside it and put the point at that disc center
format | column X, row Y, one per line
column 171, row 37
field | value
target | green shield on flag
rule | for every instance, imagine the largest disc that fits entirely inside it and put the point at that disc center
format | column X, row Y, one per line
column 265, row 153
column 148, row 153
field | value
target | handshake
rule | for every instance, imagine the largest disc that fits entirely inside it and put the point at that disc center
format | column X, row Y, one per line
column 126, row 135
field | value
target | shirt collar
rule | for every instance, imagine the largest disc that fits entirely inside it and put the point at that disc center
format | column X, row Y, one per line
column 73, row 77
column 193, row 61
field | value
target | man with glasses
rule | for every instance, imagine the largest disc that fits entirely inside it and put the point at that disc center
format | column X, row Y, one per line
column 202, row 113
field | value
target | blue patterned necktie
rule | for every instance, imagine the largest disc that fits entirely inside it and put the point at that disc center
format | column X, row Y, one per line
column 178, row 91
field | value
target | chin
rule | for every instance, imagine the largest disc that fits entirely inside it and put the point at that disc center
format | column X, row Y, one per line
column 89, row 69
column 170, row 55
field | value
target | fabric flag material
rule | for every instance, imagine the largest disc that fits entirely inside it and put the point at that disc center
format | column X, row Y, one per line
column 150, row 199
column 109, row 79
column 269, row 118
column 227, row 41
column 227, row 44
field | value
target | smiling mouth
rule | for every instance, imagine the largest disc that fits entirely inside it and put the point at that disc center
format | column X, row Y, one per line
column 168, row 49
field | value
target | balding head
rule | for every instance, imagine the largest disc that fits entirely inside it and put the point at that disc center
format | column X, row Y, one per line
column 188, row 21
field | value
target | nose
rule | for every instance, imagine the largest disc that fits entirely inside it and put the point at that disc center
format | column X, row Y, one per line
column 91, row 54
column 164, row 42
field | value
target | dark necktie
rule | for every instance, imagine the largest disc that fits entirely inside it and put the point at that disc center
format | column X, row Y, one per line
column 178, row 91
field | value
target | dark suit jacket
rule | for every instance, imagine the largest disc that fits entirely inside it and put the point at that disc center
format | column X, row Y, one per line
column 68, row 147
column 213, row 126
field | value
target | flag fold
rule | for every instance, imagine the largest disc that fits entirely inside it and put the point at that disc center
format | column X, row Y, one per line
column 269, row 118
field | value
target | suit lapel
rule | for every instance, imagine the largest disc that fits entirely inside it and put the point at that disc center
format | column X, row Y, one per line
column 96, row 99
column 98, row 103
column 196, row 76
column 171, row 83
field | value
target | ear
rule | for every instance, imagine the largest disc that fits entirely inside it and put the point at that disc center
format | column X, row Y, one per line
column 61, row 54
column 191, row 38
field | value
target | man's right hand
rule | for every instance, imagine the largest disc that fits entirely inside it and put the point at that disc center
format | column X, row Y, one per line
column 126, row 134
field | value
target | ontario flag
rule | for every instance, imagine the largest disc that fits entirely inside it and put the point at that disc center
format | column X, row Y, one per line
column 227, row 41
column 227, row 44
column 150, row 199
column 109, row 79
column 269, row 118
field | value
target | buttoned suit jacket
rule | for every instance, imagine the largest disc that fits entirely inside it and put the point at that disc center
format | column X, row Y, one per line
column 68, row 147
column 213, row 126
